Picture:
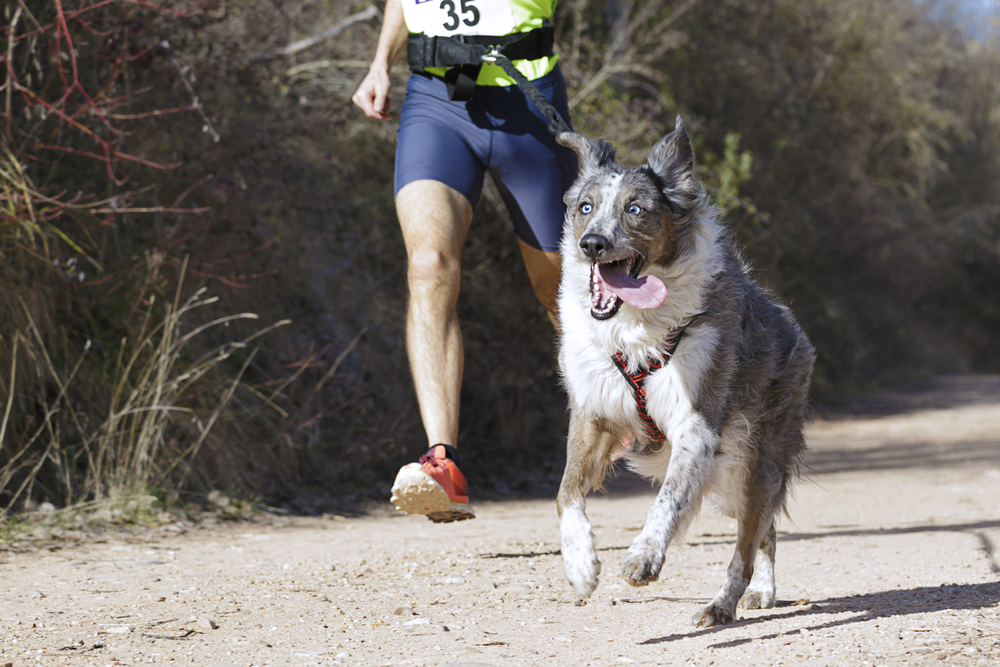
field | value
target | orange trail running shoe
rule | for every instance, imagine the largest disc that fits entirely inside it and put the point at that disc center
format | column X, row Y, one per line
column 434, row 487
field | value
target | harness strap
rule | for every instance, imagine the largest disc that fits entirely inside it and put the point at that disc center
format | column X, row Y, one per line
column 637, row 381
column 461, row 81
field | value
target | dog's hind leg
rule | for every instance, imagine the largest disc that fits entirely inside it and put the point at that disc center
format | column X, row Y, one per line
column 756, row 522
column 588, row 453
column 692, row 466
column 760, row 592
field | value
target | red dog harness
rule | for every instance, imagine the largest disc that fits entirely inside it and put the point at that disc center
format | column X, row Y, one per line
column 637, row 381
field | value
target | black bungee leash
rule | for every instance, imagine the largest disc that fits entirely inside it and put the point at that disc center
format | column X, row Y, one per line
column 557, row 125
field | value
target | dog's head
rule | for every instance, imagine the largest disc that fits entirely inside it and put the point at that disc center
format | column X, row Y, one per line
column 627, row 220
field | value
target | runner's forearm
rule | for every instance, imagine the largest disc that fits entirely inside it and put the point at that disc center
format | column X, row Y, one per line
column 392, row 38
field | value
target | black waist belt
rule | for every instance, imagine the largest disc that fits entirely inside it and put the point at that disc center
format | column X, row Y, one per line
column 463, row 54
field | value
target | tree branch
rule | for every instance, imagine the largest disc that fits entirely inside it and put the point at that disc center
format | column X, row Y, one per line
column 303, row 44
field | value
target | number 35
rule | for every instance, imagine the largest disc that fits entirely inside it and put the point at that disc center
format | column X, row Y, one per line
column 467, row 8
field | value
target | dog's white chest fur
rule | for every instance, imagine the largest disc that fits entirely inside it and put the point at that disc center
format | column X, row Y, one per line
column 599, row 390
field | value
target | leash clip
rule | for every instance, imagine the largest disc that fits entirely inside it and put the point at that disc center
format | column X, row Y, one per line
column 494, row 53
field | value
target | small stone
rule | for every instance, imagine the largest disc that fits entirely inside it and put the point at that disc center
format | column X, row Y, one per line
column 403, row 611
column 37, row 594
column 120, row 630
column 102, row 516
column 205, row 623
column 218, row 498
column 418, row 621
column 161, row 599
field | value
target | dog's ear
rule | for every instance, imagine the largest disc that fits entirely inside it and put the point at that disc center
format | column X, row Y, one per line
column 592, row 154
column 672, row 160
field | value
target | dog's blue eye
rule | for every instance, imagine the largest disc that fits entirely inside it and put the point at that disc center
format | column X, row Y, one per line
column 634, row 209
column 586, row 209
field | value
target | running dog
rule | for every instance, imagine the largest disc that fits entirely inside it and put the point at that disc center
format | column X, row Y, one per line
column 675, row 358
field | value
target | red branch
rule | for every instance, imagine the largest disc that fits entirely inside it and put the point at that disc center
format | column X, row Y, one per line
column 114, row 153
column 231, row 282
column 248, row 253
column 82, row 109
column 98, row 5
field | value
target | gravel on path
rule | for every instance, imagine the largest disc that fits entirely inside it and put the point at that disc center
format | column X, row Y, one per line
column 890, row 557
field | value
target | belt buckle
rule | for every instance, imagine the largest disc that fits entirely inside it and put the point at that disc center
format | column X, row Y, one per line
column 493, row 54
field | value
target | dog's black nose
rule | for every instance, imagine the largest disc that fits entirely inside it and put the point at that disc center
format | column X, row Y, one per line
column 594, row 245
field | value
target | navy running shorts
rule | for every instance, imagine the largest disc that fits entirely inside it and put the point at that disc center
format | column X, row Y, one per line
column 499, row 130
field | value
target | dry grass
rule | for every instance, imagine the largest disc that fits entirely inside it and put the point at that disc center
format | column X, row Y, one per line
column 124, row 456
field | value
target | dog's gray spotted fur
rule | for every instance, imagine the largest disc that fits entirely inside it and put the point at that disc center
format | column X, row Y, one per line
column 732, row 399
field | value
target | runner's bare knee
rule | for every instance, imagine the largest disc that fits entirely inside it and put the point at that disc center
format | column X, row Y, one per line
column 431, row 270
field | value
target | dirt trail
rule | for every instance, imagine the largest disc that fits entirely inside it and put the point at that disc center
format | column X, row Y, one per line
column 890, row 559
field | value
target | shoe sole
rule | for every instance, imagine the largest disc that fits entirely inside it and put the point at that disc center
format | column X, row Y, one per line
column 416, row 492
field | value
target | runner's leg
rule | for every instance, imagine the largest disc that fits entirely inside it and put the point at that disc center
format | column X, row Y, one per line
column 532, row 172
column 435, row 220
column 544, row 270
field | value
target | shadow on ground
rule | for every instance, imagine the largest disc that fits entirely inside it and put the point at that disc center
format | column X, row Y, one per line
column 902, row 456
column 895, row 456
column 949, row 391
column 975, row 528
column 869, row 606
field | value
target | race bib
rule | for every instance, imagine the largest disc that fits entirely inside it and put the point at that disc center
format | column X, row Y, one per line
column 459, row 17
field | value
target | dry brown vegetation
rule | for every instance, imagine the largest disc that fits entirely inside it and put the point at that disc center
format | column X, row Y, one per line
column 155, row 149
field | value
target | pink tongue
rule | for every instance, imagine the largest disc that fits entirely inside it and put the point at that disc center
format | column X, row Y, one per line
column 645, row 292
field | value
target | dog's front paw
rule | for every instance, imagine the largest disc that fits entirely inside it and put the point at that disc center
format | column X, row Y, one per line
column 753, row 599
column 642, row 563
column 582, row 569
column 579, row 556
column 713, row 615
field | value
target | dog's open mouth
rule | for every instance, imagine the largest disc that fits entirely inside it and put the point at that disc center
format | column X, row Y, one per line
column 611, row 283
